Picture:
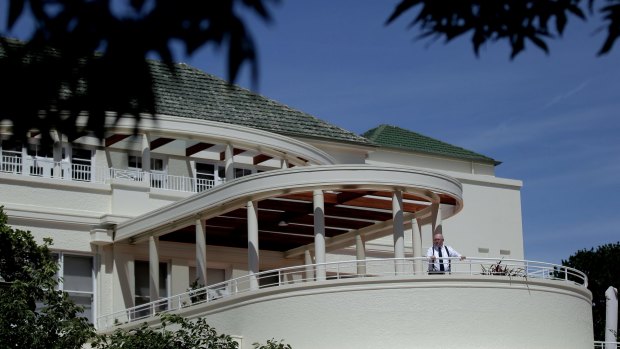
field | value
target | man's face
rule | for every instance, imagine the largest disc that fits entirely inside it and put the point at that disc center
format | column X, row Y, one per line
column 438, row 240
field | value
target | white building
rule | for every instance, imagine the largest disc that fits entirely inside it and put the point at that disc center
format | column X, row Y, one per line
column 304, row 230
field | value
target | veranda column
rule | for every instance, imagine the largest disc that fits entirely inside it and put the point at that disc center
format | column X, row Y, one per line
column 146, row 158
column 436, row 219
column 26, row 162
column 154, row 267
column 360, row 254
column 253, row 261
column 319, row 234
column 57, row 154
column 399, row 230
column 229, row 167
column 201, row 253
column 308, row 262
column 416, row 245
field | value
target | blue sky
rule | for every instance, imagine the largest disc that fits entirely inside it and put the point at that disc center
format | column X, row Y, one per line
column 553, row 120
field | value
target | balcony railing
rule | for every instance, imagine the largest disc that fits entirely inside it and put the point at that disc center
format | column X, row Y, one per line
column 369, row 268
column 12, row 162
column 606, row 345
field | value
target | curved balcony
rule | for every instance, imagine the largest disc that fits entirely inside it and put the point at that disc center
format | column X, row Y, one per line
column 526, row 295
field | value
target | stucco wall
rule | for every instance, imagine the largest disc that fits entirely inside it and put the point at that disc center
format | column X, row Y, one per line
column 425, row 312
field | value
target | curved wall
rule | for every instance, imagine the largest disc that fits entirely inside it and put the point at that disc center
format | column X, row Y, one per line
column 424, row 312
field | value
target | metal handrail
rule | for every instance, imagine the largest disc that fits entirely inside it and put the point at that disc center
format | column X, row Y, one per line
column 368, row 268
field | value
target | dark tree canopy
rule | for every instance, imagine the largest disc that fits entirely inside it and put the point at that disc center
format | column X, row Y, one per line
column 86, row 59
column 514, row 21
column 602, row 266
column 28, row 276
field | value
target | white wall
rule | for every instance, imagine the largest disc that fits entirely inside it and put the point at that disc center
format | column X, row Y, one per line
column 490, row 224
column 474, row 312
column 432, row 162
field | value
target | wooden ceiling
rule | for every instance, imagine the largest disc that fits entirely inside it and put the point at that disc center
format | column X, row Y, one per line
column 287, row 221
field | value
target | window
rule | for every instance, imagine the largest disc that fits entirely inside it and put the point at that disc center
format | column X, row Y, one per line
column 81, row 164
column 142, row 293
column 77, row 275
column 157, row 164
column 39, row 151
column 240, row 172
column 134, row 162
column 159, row 177
column 208, row 176
column 214, row 276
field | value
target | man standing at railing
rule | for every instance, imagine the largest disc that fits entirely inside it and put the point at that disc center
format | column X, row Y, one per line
column 439, row 256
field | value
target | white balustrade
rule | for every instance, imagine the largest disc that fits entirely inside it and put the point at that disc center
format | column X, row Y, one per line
column 11, row 162
column 375, row 268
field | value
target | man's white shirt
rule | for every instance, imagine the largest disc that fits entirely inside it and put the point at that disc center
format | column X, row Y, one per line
column 446, row 252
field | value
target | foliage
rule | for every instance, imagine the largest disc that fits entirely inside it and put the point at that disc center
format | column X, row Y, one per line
column 176, row 332
column 514, row 21
column 197, row 292
column 57, row 82
column 602, row 266
column 499, row 269
column 28, row 274
column 55, row 78
column 184, row 334
column 272, row 344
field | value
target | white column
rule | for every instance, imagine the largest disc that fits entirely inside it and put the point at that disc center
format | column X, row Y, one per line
column 57, row 154
column 154, row 267
column 611, row 316
column 308, row 261
column 319, row 233
column 360, row 254
column 201, row 253
column 416, row 245
column 426, row 230
column 399, row 229
column 436, row 219
column 229, row 163
column 146, row 158
column 26, row 162
column 146, row 153
column 253, row 260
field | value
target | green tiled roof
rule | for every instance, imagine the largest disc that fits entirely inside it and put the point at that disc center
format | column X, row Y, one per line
column 195, row 94
column 400, row 138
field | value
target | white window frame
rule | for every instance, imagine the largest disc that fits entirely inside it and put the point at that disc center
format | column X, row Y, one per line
column 61, row 262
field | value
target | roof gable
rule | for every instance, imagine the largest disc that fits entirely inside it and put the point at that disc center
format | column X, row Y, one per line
column 395, row 137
